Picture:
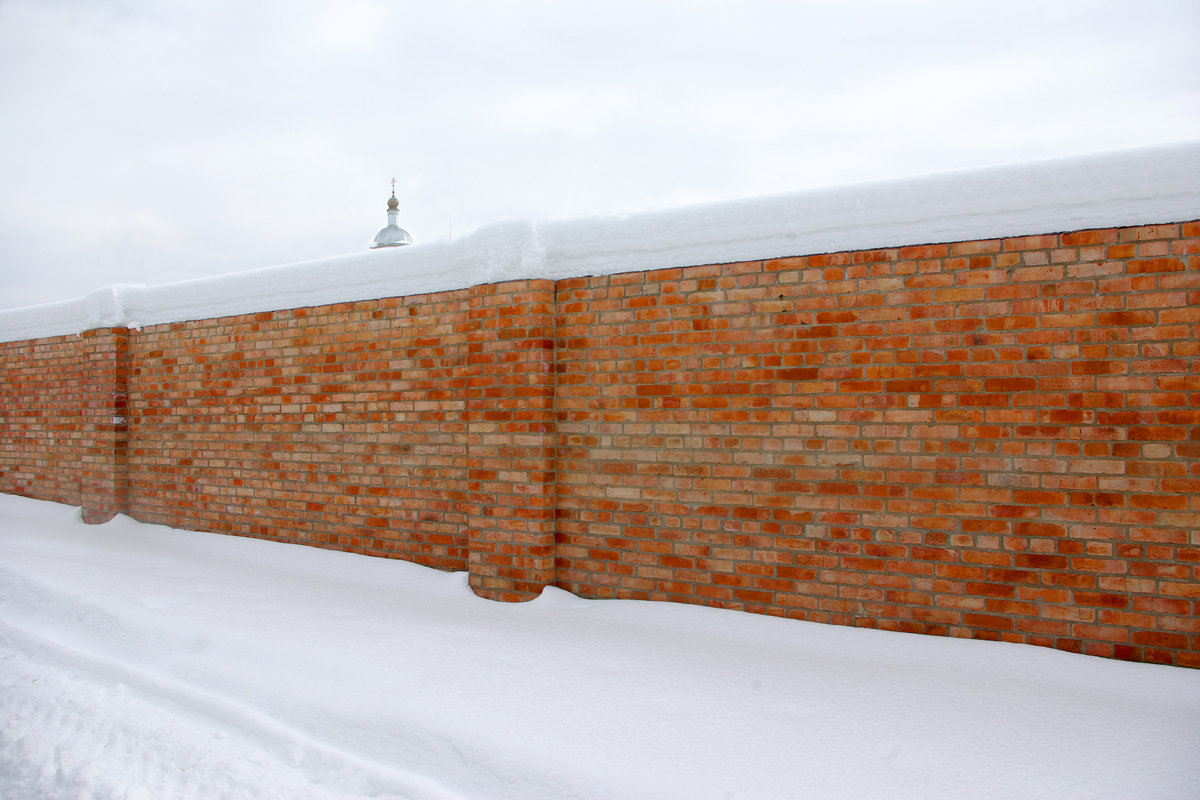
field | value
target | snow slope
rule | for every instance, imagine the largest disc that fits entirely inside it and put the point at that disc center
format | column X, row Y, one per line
column 1148, row 185
column 142, row 662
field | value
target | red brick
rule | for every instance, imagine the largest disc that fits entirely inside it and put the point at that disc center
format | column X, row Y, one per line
column 996, row 432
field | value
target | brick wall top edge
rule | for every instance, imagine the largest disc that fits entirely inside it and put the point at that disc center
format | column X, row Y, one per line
column 1150, row 185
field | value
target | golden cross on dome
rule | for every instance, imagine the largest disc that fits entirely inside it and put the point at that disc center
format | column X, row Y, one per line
column 393, row 185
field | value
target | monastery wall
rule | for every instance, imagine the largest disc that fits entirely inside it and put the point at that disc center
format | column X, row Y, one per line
column 995, row 438
column 338, row 426
column 42, row 432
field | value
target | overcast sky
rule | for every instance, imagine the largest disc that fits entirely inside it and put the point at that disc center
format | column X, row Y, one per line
column 147, row 141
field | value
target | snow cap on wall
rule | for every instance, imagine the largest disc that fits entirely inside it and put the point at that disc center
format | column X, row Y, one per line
column 1147, row 185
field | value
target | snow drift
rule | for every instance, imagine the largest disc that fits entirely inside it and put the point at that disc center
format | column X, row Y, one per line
column 141, row 662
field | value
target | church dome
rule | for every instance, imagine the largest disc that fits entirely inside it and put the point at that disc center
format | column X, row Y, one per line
column 392, row 235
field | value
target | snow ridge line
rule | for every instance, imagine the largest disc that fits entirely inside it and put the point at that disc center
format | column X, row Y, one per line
column 1149, row 185
column 291, row 747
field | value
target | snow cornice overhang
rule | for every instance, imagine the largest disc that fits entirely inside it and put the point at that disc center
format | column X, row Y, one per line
column 1148, row 185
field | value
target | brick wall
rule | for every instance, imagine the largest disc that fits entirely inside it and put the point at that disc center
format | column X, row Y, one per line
column 339, row 426
column 104, row 468
column 42, row 384
column 997, row 439
column 511, row 439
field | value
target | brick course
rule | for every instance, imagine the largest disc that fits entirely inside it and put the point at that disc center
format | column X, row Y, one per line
column 994, row 439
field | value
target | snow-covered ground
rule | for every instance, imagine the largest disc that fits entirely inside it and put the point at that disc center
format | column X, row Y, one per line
column 142, row 662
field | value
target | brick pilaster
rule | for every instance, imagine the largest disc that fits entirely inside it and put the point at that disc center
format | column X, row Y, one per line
column 103, row 489
column 510, row 441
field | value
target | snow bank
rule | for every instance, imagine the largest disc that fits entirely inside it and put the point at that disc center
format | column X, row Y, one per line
column 1133, row 187
column 138, row 661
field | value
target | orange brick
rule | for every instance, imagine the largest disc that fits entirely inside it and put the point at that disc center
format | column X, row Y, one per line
column 976, row 438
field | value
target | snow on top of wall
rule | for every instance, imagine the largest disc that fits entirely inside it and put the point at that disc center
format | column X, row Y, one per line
column 1158, row 184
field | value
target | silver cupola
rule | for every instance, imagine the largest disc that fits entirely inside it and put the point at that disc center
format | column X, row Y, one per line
column 392, row 235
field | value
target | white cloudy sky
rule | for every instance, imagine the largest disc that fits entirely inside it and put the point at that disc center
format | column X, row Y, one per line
column 156, row 140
